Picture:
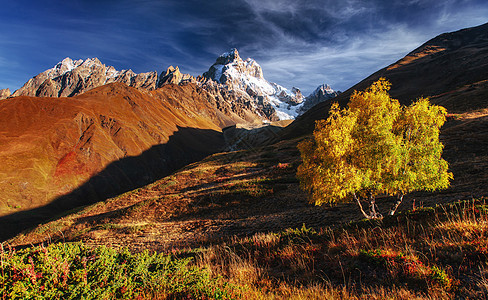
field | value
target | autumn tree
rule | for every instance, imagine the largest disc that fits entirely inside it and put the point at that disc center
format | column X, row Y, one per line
column 374, row 147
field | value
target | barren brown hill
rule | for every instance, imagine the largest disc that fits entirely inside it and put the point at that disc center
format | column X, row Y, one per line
column 247, row 192
column 111, row 139
column 451, row 69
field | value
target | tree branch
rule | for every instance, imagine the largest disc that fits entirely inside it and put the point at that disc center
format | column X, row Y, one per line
column 360, row 206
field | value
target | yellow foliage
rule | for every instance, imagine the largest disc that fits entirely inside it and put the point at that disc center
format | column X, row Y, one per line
column 374, row 146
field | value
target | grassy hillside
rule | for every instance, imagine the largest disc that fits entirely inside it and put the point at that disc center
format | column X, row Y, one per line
column 429, row 253
column 246, row 192
column 238, row 226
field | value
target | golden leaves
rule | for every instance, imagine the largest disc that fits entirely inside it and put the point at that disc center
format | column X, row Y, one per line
column 375, row 145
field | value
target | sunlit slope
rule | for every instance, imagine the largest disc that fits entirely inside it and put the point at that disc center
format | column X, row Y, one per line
column 50, row 146
column 246, row 192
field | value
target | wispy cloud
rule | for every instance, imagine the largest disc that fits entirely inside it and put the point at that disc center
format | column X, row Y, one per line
column 300, row 43
column 356, row 39
column 343, row 65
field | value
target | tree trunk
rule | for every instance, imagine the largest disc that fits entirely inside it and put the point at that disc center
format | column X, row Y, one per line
column 395, row 207
column 361, row 206
column 373, row 208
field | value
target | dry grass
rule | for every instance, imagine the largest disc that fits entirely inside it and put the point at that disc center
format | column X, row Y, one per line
column 398, row 258
column 483, row 112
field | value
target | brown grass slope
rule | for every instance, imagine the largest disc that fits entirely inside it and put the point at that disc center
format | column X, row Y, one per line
column 231, row 213
column 49, row 147
column 451, row 69
column 246, row 192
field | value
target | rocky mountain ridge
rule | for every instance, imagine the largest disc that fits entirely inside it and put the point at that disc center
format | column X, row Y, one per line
column 230, row 78
column 4, row 93
column 73, row 77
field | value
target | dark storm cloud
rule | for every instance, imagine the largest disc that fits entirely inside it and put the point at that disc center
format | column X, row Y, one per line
column 300, row 43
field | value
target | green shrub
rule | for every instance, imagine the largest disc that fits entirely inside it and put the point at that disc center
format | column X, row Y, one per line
column 74, row 271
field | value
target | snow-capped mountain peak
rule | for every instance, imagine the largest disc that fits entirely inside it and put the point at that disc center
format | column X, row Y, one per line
column 230, row 65
column 66, row 65
column 246, row 76
column 322, row 90
column 228, row 57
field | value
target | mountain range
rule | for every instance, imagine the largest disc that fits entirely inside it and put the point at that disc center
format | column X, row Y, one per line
column 230, row 77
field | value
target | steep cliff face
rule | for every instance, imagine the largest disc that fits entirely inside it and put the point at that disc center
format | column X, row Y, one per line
column 73, row 77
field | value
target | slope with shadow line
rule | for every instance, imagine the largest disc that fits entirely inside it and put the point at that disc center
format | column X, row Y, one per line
column 451, row 69
column 241, row 193
column 51, row 146
column 183, row 146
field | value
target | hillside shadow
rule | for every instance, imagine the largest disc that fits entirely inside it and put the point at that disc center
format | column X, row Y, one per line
column 185, row 146
column 240, row 138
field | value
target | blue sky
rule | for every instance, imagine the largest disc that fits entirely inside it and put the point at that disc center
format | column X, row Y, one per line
column 301, row 43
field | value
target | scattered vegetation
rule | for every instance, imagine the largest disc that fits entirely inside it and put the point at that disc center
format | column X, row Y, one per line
column 375, row 146
column 74, row 271
column 431, row 253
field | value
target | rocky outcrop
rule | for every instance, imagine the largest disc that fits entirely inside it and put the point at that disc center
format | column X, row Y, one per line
column 4, row 93
column 72, row 77
column 235, row 101
column 322, row 93
column 173, row 76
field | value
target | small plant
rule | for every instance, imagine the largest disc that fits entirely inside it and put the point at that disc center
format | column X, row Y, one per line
column 298, row 235
column 259, row 187
column 408, row 267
